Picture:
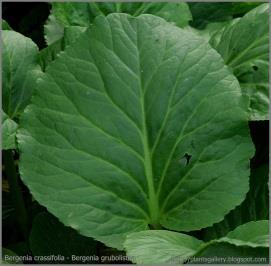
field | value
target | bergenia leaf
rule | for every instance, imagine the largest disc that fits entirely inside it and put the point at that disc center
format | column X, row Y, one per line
column 9, row 128
column 254, row 207
column 206, row 13
column 245, row 48
column 82, row 14
column 20, row 71
column 160, row 246
column 135, row 125
column 252, row 234
column 51, row 52
column 53, row 30
column 5, row 25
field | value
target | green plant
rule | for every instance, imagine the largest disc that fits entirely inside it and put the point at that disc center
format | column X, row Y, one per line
column 131, row 119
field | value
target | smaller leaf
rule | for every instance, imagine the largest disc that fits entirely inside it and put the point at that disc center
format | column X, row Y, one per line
column 160, row 246
column 20, row 72
column 9, row 128
column 51, row 52
column 252, row 234
column 244, row 46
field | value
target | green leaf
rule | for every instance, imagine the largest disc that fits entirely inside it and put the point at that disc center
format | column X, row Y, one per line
column 252, row 234
column 5, row 25
column 9, row 257
column 20, row 70
column 50, row 237
column 143, row 122
column 53, row 30
column 9, row 128
column 205, row 13
column 247, row 241
column 255, row 207
column 160, row 246
column 82, row 14
column 72, row 33
column 177, row 13
column 73, row 14
column 245, row 48
column 50, row 53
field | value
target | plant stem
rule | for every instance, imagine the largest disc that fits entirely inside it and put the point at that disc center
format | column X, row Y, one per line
column 16, row 193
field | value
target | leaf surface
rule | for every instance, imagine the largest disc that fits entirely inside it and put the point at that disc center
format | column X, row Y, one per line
column 251, row 234
column 9, row 128
column 82, row 14
column 142, row 128
column 20, row 70
column 254, row 207
column 244, row 45
column 205, row 13
column 53, row 30
column 160, row 246
column 5, row 25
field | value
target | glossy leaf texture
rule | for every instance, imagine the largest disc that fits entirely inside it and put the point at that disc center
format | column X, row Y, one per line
column 244, row 45
column 136, row 124
column 254, row 207
column 9, row 128
column 82, row 14
column 50, row 237
column 20, row 70
column 160, row 246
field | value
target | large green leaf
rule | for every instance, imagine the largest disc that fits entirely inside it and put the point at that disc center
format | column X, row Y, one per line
column 83, row 14
column 136, row 124
column 244, row 46
column 254, row 207
column 50, row 237
column 9, row 128
column 160, row 246
column 20, row 70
